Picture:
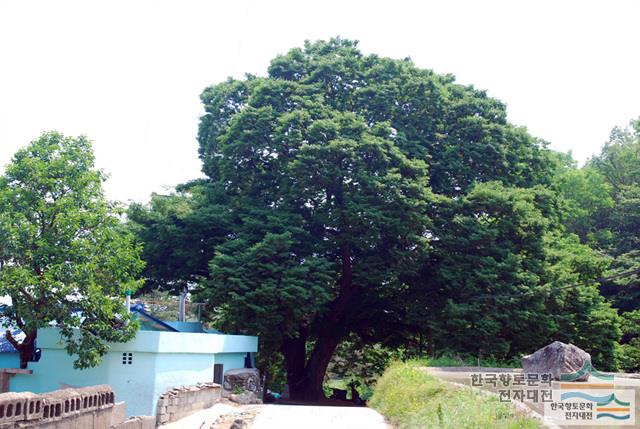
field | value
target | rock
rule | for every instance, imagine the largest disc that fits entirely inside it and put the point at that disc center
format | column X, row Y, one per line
column 239, row 424
column 244, row 378
column 558, row 358
column 245, row 398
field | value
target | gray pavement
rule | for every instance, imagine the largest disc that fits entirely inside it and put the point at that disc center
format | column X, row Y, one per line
column 318, row 417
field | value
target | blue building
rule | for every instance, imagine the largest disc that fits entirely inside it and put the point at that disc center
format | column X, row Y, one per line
column 163, row 355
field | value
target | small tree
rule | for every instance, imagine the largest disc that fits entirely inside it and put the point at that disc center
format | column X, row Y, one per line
column 64, row 257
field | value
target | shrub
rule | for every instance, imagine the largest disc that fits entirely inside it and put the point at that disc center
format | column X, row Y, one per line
column 410, row 398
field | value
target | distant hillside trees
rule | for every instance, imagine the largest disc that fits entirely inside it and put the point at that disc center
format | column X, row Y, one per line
column 603, row 208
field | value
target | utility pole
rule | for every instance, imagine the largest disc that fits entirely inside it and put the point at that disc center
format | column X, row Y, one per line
column 182, row 308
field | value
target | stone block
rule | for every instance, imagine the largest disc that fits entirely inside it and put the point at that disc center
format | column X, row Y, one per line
column 118, row 413
column 147, row 422
column 245, row 378
column 85, row 420
column 14, row 406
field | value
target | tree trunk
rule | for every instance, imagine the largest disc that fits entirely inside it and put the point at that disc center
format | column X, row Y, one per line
column 306, row 378
column 25, row 348
column 317, row 366
column 294, row 351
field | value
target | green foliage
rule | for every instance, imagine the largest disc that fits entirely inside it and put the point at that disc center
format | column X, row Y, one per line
column 577, row 311
column 619, row 160
column 326, row 160
column 460, row 132
column 360, row 362
column 271, row 363
column 587, row 198
column 64, row 256
column 506, row 279
column 452, row 359
column 353, row 194
column 602, row 205
column 411, row 398
column 324, row 204
column 619, row 163
column 179, row 233
column 266, row 288
column 629, row 351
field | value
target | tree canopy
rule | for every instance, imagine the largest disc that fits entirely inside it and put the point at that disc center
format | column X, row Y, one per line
column 356, row 196
column 65, row 258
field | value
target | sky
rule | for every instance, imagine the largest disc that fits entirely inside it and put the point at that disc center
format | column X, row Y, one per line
column 128, row 74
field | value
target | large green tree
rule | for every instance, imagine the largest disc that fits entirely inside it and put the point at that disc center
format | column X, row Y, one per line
column 363, row 196
column 318, row 235
column 329, row 165
column 65, row 258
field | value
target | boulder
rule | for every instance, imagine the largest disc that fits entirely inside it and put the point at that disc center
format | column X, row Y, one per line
column 245, row 398
column 239, row 424
column 558, row 358
column 243, row 378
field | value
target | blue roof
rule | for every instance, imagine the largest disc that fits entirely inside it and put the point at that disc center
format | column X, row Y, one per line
column 148, row 322
column 5, row 345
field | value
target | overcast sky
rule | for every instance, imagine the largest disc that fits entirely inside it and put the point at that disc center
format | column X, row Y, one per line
column 128, row 74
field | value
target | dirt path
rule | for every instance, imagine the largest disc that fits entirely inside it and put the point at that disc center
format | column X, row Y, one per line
column 318, row 417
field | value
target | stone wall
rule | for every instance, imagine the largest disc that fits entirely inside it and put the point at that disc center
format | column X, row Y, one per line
column 183, row 401
column 81, row 408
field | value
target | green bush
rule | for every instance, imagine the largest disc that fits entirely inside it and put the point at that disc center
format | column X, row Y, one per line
column 410, row 398
column 629, row 356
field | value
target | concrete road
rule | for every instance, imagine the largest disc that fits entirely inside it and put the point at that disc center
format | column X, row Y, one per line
column 202, row 419
column 318, row 417
column 288, row 417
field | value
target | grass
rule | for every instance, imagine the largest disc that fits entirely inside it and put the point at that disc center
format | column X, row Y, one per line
column 412, row 399
column 447, row 359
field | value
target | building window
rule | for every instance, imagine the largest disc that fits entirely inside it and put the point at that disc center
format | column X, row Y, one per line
column 127, row 358
column 217, row 373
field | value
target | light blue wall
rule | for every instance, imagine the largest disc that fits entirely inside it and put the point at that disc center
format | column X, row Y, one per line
column 9, row 360
column 55, row 371
column 230, row 360
column 161, row 361
column 134, row 384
